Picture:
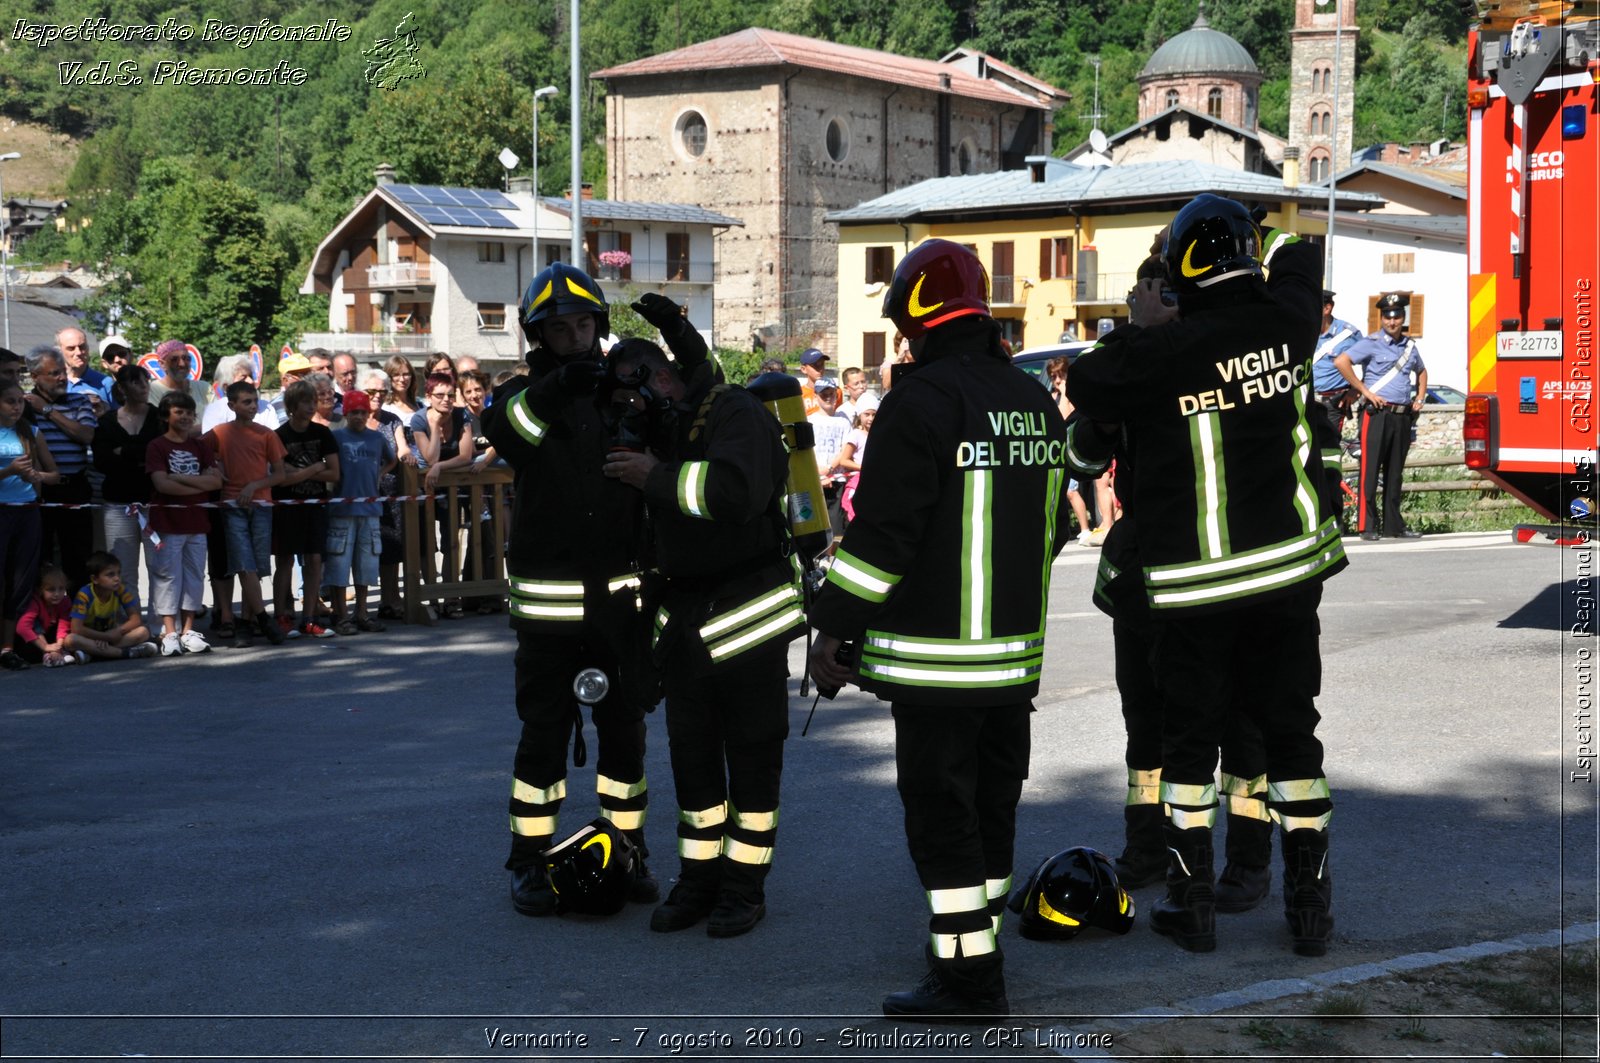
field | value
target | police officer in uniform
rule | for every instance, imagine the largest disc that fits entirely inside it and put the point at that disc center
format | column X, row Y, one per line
column 1332, row 395
column 1388, row 359
column 712, row 471
column 940, row 581
column 573, row 578
column 1235, row 538
column 1332, row 390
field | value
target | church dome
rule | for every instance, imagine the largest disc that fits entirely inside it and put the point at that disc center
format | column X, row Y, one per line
column 1199, row 50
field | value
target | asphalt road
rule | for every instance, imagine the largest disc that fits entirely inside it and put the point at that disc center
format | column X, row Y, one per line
column 297, row 851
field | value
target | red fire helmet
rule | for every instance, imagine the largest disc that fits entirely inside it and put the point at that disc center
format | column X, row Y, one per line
column 937, row 282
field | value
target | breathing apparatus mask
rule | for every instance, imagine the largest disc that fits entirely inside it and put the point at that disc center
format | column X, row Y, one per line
column 637, row 416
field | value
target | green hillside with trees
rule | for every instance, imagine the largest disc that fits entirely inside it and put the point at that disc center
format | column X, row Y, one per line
column 207, row 200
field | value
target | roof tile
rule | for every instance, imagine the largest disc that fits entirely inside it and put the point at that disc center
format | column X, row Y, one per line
column 757, row 47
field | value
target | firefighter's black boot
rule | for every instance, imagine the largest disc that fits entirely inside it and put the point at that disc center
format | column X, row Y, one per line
column 530, row 888
column 645, row 889
column 1307, row 890
column 1187, row 914
column 964, row 989
column 1246, row 877
column 691, row 899
column 1144, row 859
column 741, row 899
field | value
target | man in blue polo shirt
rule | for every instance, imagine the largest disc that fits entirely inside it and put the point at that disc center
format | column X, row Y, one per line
column 66, row 420
column 1388, row 359
column 74, row 347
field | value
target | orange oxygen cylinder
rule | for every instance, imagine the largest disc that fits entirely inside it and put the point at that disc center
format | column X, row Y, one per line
column 808, row 509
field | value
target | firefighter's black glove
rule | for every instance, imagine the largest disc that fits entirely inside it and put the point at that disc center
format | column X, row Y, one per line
column 663, row 313
column 581, row 377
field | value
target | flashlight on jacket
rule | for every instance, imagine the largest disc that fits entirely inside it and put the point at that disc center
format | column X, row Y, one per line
column 591, row 686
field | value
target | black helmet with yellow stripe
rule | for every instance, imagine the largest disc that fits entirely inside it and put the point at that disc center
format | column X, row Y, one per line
column 562, row 289
column 1071, row 890
column 591, row 871
column 1212, row 240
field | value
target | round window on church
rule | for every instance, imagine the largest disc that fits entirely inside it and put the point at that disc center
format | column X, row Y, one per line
column 966, row 157
column 837, row 139
column 691, row 134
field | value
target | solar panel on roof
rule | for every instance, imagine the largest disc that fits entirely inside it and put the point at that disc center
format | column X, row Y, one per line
column 469, row 217
column 440, row 196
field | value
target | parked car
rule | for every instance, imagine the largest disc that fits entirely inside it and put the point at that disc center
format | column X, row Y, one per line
column 1444, row 393
column 1034, row 359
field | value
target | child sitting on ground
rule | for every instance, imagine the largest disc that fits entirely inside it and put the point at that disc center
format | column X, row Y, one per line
column 105, row 615
column 354, row 541
column 45, row 625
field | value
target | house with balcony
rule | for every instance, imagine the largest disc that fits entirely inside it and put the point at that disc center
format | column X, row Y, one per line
column 1061, row 242
column 419, row 268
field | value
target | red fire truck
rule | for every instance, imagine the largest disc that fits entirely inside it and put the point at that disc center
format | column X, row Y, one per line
column 1533, row 250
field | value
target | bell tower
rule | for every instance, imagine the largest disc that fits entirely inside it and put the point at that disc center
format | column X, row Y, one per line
column 1322, row 85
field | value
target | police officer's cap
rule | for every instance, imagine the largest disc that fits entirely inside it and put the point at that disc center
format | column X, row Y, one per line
column 1393, row 303
column 1327, row 295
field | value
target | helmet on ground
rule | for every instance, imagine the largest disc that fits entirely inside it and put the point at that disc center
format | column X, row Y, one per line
column 1210, row 241
column 592, row 870
column 562, row 289
column 937, row 282
column 1071, row 890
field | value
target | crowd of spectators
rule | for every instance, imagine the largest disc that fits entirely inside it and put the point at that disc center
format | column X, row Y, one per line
column 195, row 481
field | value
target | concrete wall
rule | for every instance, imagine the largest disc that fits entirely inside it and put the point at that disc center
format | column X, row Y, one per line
column 461, row 282
column 1213, row 146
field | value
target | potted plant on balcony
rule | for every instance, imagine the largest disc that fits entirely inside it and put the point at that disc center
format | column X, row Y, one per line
column 612, row 263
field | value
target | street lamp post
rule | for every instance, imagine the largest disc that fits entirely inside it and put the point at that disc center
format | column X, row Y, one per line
column 1333, row 148
column 5, row 246
column 577, row 147
column 548, row 90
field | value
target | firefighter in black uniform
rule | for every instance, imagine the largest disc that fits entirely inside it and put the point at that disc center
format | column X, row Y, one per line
column 573, row 579
column 1119, row 592
column 711, row 471
column 941, row 582
column 1242, row 789
column 1236, row 535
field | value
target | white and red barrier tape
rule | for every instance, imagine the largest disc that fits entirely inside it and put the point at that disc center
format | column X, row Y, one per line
column 260, row 502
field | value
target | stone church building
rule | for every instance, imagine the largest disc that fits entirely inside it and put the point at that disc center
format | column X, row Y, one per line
column 1199, row 99
column 778, row 130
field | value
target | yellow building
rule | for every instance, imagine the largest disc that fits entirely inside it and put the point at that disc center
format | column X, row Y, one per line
column 1061, row 241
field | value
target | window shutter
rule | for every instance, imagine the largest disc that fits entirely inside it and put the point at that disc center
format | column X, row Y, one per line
column 1047, row 259
column 872, row 348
